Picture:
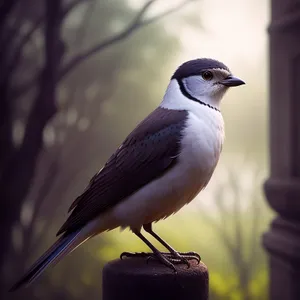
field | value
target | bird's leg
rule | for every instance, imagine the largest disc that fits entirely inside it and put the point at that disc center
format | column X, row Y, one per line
column 181, row 257
column 167, row 262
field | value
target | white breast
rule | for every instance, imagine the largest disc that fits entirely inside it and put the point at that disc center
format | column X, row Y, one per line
column 201, row 146
column 202, row 140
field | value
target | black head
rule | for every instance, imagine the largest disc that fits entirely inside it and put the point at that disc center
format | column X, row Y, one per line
column 205, row 80
column 197, row 67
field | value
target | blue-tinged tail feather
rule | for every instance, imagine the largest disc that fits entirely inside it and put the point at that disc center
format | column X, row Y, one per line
column 58, row 250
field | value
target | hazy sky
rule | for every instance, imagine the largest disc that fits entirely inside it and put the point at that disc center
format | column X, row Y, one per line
column 234, row 31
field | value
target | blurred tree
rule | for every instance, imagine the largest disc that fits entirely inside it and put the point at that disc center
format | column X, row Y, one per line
column 41, row 43
column 238, row 225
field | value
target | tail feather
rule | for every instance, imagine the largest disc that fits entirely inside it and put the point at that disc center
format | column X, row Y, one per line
column 58, row 250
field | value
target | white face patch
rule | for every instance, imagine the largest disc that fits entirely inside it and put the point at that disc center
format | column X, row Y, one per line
column 209, row 91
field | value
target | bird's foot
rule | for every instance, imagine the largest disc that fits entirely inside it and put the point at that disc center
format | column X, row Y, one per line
column 135, row 254
column 183, row 257
column 167, row 258
column 164, row 258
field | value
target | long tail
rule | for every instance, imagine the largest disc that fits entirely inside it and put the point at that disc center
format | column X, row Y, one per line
column 63, row 246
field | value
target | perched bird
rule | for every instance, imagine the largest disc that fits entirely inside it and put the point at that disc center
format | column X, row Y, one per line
column 161, row 166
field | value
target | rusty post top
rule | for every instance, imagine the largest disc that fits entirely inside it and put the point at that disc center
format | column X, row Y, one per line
column 135, row 279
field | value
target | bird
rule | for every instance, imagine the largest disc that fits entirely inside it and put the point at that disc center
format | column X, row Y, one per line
column 160, row 167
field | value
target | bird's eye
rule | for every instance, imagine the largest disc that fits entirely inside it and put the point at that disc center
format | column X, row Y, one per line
column 207, row 75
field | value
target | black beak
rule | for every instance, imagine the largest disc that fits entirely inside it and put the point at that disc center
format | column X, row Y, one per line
column 232, row 81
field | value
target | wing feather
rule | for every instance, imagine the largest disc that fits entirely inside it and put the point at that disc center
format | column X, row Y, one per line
column 146, row 154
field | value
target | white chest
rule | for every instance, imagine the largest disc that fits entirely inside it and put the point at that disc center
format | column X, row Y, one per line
column 202, row 141
column 200, row 150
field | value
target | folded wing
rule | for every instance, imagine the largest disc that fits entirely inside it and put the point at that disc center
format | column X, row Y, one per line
column 147, row 153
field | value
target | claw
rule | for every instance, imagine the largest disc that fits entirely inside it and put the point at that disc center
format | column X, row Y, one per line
column 166, row 258
column 162, row 257
column 191, row 256
column 177, row 258
column 135, row 254
column 180, row 257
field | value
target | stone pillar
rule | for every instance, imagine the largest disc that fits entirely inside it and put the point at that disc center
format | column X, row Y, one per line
column 135, row 279
column 282, row 189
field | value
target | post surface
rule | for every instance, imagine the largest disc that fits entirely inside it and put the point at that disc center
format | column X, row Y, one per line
column 135, row 279
column 282, row 189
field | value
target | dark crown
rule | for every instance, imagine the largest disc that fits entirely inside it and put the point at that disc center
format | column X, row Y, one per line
column 197, row 66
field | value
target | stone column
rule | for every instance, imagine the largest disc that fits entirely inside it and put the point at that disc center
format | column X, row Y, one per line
column 282, row 189
column 137, row 279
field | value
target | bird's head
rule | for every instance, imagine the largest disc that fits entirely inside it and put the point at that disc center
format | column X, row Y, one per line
column 203, row 80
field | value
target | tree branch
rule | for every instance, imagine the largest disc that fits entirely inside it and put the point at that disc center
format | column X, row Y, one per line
column 5, row 9
column 168, row 12
column 221, row 231
column 21, row 167
column 39, row 22
column 256, row 212
column 14, row 61
column 237, row 211
column 135, row 25
column 43, row 191
column 72, row 5
column 51, row 175
column 233, row 245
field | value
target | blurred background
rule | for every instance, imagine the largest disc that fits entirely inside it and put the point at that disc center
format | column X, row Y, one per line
column 76, row 77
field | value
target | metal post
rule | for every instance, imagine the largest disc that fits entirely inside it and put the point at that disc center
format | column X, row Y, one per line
column 135, row 279
column 282, row 189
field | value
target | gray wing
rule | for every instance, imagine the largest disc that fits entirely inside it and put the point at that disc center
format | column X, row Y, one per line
column 147, row 153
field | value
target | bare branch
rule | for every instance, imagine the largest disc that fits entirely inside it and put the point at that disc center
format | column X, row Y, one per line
column 53, row 170
column 135, row 25
column 168, row 12
column 220, row 203
column 142, row 12
column 14, row 62
column 42, row 194
column 221, row 231
column 28, row 35
column 237, row 211
column 256, row 217
column 5, row 8
column 82, row 29
column 24, row 88
column 72, row 5
column 12, row 30
column 30, row 83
